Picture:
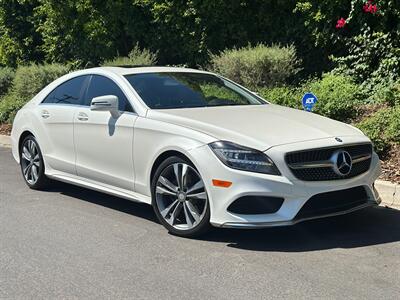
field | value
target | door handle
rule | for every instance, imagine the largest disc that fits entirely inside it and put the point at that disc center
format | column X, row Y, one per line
column 45, row 114
column 82, row 116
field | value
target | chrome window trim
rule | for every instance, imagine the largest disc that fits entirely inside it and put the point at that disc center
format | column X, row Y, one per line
column 87, row 83
column 62, row 104
column 84, row 106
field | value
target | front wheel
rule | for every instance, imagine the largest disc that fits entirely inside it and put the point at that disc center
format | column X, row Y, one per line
column 32, row 164
column 180, row 199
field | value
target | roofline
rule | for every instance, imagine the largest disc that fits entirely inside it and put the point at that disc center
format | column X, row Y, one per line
column 139, row 70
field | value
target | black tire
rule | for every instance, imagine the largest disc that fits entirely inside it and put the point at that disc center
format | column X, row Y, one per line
column 203, row 225
column 42, row 181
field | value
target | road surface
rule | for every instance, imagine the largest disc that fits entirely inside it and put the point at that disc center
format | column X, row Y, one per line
column 71, row 242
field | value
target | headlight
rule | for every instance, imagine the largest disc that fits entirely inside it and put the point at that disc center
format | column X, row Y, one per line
column 243, row 158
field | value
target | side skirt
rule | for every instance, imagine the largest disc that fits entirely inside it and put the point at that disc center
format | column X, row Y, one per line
column 100, row 187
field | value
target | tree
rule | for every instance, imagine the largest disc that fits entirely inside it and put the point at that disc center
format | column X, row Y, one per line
column 19, row 43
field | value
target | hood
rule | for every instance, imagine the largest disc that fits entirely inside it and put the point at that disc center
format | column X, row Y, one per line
column 256, row 126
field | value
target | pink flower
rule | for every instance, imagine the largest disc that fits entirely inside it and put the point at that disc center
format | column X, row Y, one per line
column 373, row 9
column 370, row 8
column 340, row 23
column 366, row 6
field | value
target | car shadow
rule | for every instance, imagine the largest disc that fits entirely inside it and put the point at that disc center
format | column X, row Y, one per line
column 136, row 209
column 367, row 227
column 370, row 226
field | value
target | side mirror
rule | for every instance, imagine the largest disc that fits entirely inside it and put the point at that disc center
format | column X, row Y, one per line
column 106, row 103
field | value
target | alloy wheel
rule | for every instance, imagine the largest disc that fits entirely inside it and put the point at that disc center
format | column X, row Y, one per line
column 181, row 196
column 30, row 161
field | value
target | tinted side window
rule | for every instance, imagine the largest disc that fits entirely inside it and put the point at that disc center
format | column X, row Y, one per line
column 68, row 92
column 101, row 86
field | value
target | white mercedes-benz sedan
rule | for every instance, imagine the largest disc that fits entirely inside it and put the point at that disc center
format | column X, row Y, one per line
column 201, row 149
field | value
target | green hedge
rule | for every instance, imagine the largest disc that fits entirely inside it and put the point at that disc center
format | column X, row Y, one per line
column 285, row 95
column 9, row 105
column 28, row 81
column 137, row 57
column 6, row 78
column 383, row 128
column 385, row 93
column 257, row 66
column 338, row 96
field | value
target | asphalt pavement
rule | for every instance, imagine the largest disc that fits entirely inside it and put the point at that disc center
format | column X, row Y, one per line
column 70, row 242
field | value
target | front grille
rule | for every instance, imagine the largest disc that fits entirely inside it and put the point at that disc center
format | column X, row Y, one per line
column 315, row 164
column 333, row 202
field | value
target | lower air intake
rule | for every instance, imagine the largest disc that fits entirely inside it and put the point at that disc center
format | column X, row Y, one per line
column 254, row 205
column 333, row 202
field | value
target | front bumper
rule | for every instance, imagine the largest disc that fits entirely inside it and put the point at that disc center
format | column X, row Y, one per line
column 294, row 192
column 294, row 221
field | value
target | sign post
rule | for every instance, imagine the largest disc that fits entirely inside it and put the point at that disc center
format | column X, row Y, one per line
column 309, row 100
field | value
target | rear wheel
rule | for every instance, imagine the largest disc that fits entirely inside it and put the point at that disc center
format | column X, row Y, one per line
column 32, row 165
column 180, row 199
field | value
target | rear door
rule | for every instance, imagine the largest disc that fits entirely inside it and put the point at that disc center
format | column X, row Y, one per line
column 104, row 144
column 57, row 112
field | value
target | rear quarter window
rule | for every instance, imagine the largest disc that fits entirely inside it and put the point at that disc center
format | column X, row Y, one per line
column 69, row 92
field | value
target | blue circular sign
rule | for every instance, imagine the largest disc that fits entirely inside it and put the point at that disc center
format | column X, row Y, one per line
column 309, row 100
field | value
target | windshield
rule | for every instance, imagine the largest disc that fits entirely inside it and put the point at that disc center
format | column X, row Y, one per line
column 185, row 90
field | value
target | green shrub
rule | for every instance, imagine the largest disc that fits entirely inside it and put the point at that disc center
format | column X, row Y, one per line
column 393, row 130
column 28, row 81
column 385, row 93
column 6, row 78
column 259, row 66
column 285, row 96
column 9, row 105
column 338, row 96
column 137, row 57
column 383, row 128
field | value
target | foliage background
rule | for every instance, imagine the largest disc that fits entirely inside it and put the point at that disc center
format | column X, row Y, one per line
column 87, row 32
column 184, row 32
column 279, row 48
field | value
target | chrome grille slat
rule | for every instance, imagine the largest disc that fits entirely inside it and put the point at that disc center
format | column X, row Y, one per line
column 361, row 158
column 311, row 165
column 315, row 164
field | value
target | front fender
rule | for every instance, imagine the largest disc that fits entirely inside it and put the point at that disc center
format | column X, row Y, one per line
column 152, row 138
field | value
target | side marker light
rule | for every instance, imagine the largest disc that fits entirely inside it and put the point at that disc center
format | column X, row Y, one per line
column 221, row 183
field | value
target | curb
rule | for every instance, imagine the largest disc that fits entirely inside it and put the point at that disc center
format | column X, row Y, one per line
column 389, row 192
column 5, row 141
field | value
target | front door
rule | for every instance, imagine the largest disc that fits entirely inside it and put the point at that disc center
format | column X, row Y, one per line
column 104, row 144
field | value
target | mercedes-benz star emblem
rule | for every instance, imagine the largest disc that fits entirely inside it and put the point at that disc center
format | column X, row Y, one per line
column 342, row 162
column 338, row 139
